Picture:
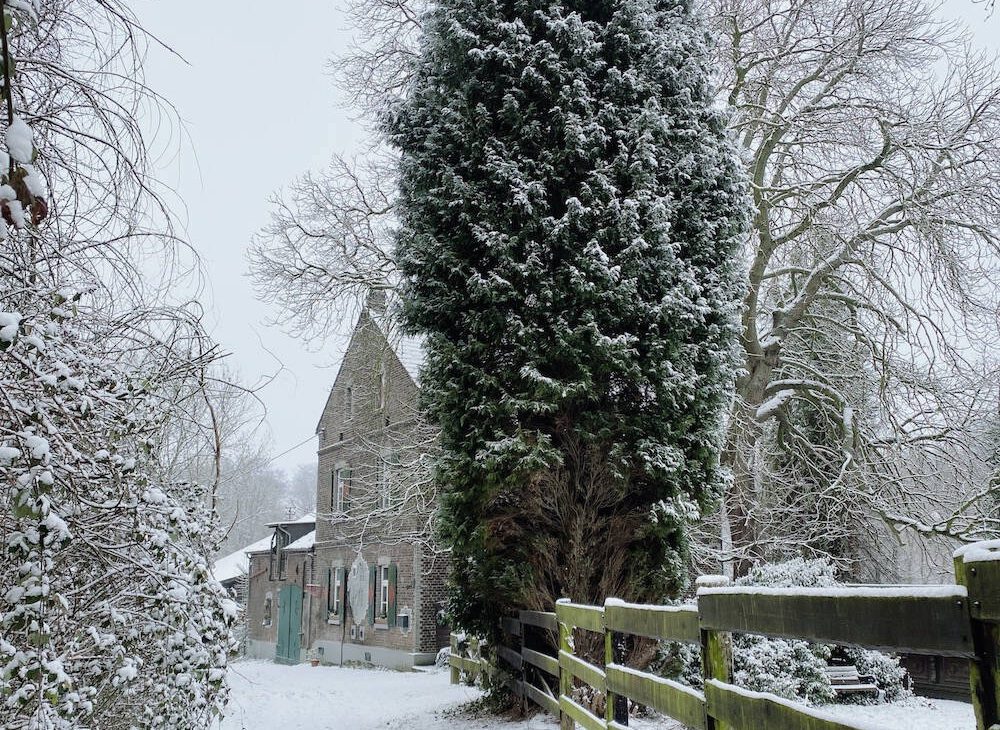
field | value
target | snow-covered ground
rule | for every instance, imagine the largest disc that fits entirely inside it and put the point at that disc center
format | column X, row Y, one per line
column 267, row 695
column 916, row 713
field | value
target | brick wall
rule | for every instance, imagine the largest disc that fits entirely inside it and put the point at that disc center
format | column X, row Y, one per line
column 379, row 634
column 434, row 571
column 378, row 421
column 261, row 584
column 371, row 426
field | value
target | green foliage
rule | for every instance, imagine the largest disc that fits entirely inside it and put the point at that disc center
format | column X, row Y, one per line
column 790, row 668
column 570, row 215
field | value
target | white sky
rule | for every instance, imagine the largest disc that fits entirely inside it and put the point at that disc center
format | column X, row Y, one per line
column 259, row 110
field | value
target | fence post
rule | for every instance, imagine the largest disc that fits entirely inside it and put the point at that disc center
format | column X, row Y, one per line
column 716, row 652
column 476, row 645
column 565, row 678
column 455, row 671
column 982, row 580
column 524, row 667
column 716, row 663
column 616, row 707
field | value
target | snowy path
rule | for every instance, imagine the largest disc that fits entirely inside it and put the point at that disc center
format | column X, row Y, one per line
column 266, row 696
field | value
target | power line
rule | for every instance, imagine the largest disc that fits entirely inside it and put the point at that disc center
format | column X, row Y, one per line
column 260, row 465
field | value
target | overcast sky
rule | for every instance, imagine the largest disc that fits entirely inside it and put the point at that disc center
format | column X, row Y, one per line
column 259, row 109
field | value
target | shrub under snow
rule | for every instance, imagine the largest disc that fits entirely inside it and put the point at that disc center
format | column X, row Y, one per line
column 791, row 668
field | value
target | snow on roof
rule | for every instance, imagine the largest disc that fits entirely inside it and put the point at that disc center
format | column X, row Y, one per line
column 304, row 543
column 238, row 563
column 873, row 590
column 307, row 519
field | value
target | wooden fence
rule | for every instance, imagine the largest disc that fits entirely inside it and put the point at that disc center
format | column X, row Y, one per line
column 961, row 620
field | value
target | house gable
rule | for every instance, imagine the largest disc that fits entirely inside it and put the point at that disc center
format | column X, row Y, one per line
column 372, row 361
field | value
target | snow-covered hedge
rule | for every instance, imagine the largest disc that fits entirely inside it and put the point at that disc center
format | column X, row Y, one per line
column 109, row 615
column 787, row 667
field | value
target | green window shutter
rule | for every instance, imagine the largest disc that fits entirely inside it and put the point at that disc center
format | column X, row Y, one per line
column 391, row 618
column 342, row 572
column 330, row 590
column 372, row 592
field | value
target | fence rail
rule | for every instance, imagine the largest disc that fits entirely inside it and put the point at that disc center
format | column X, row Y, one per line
column 961, row 620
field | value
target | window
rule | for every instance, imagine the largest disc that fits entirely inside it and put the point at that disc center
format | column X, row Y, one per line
column 267, row 610
column 383, row 596
column 382, row 377
column 341, row 490
column 349, row 402
column 335, row 601
column 383, row 484
column 279, row 558
column 283, row 541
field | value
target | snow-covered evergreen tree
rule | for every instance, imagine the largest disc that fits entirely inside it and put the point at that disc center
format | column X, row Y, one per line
column 109, row 617
column 570, row 211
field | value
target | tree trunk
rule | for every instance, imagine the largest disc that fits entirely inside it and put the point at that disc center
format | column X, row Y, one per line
column 742, row 549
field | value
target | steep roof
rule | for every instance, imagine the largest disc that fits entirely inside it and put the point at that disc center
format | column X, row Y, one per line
column 304, row 543
column 237, row 563
column 408, row 349
column 307, row 519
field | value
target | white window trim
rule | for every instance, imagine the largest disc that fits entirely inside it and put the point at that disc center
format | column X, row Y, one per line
column 384, row 481
column 383, row 596
column 349, row 401
column 336, row 586
column 338, row 488
column 383, row 377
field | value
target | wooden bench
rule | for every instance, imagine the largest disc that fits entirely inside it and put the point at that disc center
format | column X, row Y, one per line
column 845, row 680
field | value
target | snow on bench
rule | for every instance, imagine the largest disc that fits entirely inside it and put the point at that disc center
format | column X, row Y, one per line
column 845, row 680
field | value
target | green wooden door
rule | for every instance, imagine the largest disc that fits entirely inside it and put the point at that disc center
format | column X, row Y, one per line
column 289, row 625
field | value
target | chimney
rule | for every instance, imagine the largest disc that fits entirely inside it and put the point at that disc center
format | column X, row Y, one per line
column 375, row 301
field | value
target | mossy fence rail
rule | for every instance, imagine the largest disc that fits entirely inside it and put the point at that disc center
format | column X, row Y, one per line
column 961, row 620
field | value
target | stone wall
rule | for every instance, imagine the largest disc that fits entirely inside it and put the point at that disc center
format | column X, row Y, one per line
column 371, row 426
column 262, row 634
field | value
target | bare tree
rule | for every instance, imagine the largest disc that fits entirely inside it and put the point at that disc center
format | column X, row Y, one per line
column 377, row 65
column 106, row 565
column 870, row 131
column 328, row 244
column 329, row 241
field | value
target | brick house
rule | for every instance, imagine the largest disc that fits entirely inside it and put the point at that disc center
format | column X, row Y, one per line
column 366, row 581
column 284, row 563
column 232, row 570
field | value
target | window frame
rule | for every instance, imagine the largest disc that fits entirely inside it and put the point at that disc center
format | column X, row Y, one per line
column 278, row 564
column 349, row 401
column 284, row 540
column 341, row 502
column 334, row 604
column 268, row 618
column 382, row 378
column 383, row 482
column 383, row 596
